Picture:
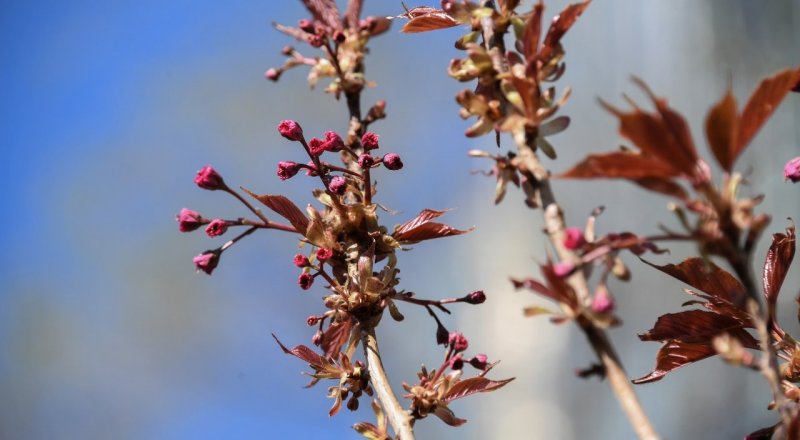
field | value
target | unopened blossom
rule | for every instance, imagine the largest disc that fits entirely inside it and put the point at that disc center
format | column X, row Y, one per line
column 573, row 238
column 602, row 301
column 338, row 185
column 189, row 220
column 287, row 169
column 476, row 297
column 305, row 280
column 207, row 261
column 366, row 161
column 369, row 141
column 392, row 162
column 457, row 362
column 290, row 130
column 792, row 170
column 208, row 178
column 563, row 269
column 333, row 141
column 324, row 254
column 301, row 261
column 217, row 227
column 479, row 361
column 316, row 146
column 272, row 74
column 457, row 341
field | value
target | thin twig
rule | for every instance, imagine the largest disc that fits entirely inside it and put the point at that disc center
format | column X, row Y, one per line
column 400, row 420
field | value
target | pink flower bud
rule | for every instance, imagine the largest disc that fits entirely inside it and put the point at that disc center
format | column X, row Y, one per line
column 457, row 341
column 305, row 280
column 339, row 37
column 287, row 50
column 573, row 238
column 301, row 261
column 476, row 297
column 290, row 130
column 369, row 141
column 189, row 220
column 479, row 361
column 324, row 254
column 312, row 320
column 287, row 169
column 392, row 162
column 315, row 41
column 306, row 25
column 217, row 227
column 457, row 362
column 334, row 142
column 316, row 147
column 563, row 269
column 208, row 178
column 602, row 301
column 207, row 261
column 338, row 185
column 273, row 74
column 792, row 170
column 365, row 161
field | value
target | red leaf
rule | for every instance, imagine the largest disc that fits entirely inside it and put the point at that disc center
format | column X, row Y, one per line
column 423, row 19
column 663, row 185
column 560, row 25
column 467, row 387
column 304, row 353
column 769, row 93
column 285, row 208
column 530, row 38
column 693, row 326
column 673, row 355
column 621, row 165
column 779, row 258
column 352, row 13
column 325, row 11
column 722, row 128
column 707, row 277
column 762, row 434
column 421, row 228
column 447, row 416
column 335, row 337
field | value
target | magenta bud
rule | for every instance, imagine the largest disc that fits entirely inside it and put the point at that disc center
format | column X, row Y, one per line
column 287, row 169
column 563, row 269
column 305, row 280
column 573, row 238
column 273, row 74
column 392, row 161
column 208, row 178
column 369, row 141
column 217, row 227
column 366, row 161
column 312, row 320
column 316, row 147
column 457, row 341
column 792, row 170
column 207, row 261
column 479, row 361
column 338, row 185
column 457, row 362
column 301, row 261
column 287, row 50
column 306, row 25
column 602, row 301
column 334, row 141
column 189, row 220
column 476, row 297
column 315, row 41
column 290, row 130
column 324, row 254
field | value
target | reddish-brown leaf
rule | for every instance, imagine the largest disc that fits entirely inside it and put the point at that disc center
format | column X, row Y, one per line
column 689, row 326
column 762, row 434
column 779, row 258
column 707, row 277
column 285, row 208
column 796, row 87
column 620, row 165
column 304, row 353
column 560, row 25
column 478, row 384
column 352, row 12
column 562, row 291
column 423, row 19
column 722, row 128
column 447, row 416
column 325, row 11
column 663, row 185
column 530, row 38
column 769, row 93
column 422, row 228
column 673, row 355
column 335, row 337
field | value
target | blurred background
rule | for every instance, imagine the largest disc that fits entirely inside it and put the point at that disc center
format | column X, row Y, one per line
column 109, row 108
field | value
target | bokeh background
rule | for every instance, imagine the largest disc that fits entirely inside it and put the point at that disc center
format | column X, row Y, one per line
column 109, row 108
